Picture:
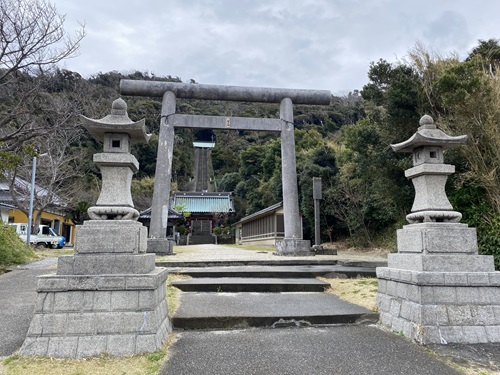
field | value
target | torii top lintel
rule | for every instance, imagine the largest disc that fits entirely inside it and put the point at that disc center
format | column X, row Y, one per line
column 220, row 92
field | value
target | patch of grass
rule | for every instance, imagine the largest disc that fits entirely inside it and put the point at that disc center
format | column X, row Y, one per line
column 47, row 253
column 12, row 249
column 361, row 291
column 142, row 364
column 464, row 366
column 173, row 293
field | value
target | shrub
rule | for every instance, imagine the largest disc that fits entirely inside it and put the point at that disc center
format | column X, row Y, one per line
column 12, row 249
column 488, row 239
column 478, row 213
column 182, row 229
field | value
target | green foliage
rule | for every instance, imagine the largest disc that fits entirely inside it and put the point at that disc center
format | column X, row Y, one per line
column 365, row 193
column 78, row 214
column 9, row 160
column 317, row 162
column 363, row 201
column 488, row 51
column 182, row 230
column 477, row 212
column 146, row 156
column 142, row 192
column 465, row 99
column 183, row 158
column 489, row 240
column 12, row 249
column 459, row 82
column 229, row 181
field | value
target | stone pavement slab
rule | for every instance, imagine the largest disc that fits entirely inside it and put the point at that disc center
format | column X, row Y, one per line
column 229, row 310
column 343, row 350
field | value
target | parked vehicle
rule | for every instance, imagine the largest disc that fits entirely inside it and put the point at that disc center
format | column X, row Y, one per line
column 46, row 236
column 48, row 231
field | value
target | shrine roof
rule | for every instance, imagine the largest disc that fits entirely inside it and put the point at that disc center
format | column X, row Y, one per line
column 202, row 202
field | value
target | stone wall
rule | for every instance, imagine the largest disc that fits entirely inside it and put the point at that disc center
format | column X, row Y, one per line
column 81, row 316
column 441, row 307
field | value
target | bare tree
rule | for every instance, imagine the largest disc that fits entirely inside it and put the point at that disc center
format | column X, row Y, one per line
column 32, row 37
column 32, row 42
column 33, row 116
column 60, row 163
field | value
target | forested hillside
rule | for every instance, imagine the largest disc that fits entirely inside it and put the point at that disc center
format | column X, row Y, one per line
column 347, row 144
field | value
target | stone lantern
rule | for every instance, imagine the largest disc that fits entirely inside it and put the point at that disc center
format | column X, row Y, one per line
column 436, row 288
column 109, row 297
column 114, row 213
column 434, row 225
column 116, row 132
column 429, row 173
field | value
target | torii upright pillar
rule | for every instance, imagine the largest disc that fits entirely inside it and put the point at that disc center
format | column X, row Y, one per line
column 293, row 243
column 157, row 241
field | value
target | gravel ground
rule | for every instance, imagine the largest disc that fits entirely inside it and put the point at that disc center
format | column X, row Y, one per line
column 38, row 264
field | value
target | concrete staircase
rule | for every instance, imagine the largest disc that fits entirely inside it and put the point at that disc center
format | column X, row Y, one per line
column 201, row 169
column 201, row 239
column 234, row 297
column 202, row 233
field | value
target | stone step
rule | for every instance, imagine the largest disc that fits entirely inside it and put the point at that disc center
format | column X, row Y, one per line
column 244, row 284
column 248, row 262
column 201, row 239
column 241, row 310
column 306, row 271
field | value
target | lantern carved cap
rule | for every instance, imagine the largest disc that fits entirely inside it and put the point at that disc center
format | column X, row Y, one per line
column 117, row 122
column 429, row 135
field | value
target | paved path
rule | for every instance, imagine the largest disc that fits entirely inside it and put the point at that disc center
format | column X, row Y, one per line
column 340, row 349
column 343, row 350
column 18, row 296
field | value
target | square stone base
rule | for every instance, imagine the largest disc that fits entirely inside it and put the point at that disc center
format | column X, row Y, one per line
column 161, row 246
column 442, row 262
column 111, row 237
column 437, row 238
column 105, row 264
column 293, row 247
column 440, row 307
column 81, row 316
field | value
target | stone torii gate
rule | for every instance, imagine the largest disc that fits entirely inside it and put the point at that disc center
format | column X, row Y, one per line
column 292, row 244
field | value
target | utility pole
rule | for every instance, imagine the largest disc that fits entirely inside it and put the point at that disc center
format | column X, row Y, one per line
column 32, row 195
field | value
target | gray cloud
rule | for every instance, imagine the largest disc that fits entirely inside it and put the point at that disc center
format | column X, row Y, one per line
column 322, row 44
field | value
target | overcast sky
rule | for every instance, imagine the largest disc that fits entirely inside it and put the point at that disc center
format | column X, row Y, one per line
column 310, row 44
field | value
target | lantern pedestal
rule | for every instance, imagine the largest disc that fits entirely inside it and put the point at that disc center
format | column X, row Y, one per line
column 109, row 297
